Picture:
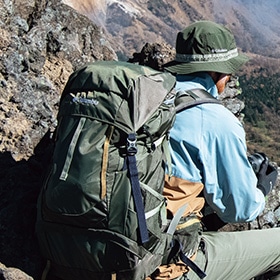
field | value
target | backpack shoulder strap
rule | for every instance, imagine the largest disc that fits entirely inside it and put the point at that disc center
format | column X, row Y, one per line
column 189, row 98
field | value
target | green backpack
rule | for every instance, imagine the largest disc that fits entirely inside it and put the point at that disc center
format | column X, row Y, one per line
column 101, row 213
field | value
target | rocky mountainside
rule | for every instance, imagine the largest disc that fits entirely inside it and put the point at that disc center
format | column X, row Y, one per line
column 131, row 23
column 42, row 42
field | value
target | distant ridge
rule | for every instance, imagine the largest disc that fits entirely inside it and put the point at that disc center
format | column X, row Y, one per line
column 131, row 23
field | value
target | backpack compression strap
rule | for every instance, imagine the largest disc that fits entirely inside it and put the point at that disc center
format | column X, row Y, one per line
column 171, row 229
column 188, row 98
column 136, row 191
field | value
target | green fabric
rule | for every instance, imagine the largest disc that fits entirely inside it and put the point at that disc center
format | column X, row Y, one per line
column 123, row 86
column 239, row 255
column 206, row 46
column 79, row 230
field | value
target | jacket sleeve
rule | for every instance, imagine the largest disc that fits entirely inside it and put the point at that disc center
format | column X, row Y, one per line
column 230, row 182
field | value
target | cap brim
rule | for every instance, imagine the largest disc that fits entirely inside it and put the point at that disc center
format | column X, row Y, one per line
column 227, row 67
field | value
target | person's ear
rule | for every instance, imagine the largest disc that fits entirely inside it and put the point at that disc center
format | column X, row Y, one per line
column 222, row 81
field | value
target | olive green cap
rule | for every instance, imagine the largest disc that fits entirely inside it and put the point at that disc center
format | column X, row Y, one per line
column 206, row 46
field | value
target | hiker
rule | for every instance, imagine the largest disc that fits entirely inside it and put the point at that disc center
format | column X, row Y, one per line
column 209, row 155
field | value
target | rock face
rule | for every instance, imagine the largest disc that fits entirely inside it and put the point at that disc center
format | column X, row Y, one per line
column 11, row 273
column 42, row 42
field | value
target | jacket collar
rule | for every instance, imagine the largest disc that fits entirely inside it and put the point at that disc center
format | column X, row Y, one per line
column 198, row 80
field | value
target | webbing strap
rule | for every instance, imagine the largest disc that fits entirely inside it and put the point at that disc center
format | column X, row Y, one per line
column 136, row 190
column 200, row 273
column 175, row 221
column 71, row 149
column 172, row 227
column 168, row 157
column 109, row 134
column 46, row 270
column 189, row 98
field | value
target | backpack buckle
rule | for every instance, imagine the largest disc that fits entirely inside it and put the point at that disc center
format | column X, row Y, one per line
column 131, row 144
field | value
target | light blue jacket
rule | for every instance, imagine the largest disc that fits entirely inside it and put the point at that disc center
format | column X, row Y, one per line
column 208, row 145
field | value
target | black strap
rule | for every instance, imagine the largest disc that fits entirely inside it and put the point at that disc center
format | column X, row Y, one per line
column 177, row 250
column 136, row 190
column 188, row 262
column 189, row 98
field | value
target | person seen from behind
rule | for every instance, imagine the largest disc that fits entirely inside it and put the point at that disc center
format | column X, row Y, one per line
column 209, row 157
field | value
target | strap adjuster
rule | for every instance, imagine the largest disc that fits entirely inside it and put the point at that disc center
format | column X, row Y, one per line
column 131, row 146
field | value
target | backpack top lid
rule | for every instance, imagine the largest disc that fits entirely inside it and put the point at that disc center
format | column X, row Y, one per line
column 144, row 89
